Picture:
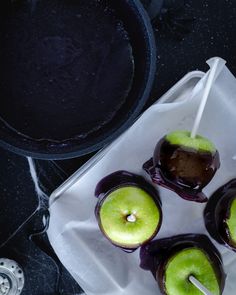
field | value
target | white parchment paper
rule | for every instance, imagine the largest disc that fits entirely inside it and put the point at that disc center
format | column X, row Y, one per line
column 101, row 268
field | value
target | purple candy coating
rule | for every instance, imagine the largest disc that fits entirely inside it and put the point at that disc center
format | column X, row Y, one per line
column 182, row 170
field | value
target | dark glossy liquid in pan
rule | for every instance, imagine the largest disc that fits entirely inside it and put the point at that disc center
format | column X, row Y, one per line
column 66, row 67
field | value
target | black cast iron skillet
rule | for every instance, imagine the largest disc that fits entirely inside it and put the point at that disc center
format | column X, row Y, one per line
column 74, row 74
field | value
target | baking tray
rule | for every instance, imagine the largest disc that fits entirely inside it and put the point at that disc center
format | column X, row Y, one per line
column 98, row 266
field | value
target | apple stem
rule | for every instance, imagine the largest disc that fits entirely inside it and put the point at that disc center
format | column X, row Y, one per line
column 131, row 218
column 206, row 92
column 198, row 285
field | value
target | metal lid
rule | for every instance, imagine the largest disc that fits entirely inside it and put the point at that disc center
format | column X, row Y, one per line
column 11, row 277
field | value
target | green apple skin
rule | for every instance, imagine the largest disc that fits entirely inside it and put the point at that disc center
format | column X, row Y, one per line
column 186, row 262
column 183, row 138
column 231, row 221
column 121, row 203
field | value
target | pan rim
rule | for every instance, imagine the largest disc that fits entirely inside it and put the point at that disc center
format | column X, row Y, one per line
column 27, row 152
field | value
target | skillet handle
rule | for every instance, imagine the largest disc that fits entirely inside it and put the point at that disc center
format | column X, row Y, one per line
column 154, row 8
column 169, row 15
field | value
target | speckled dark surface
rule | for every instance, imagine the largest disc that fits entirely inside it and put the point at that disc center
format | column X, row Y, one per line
column 185, row 38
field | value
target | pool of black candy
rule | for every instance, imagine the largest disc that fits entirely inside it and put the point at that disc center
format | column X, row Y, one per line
column 154, row 256
column 217, row 211
column 71, row 64
column 119, row 179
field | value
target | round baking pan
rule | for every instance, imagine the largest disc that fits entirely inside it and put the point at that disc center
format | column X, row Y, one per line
column 73, row 74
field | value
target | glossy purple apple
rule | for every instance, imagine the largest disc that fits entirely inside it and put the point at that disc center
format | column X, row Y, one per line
column 220, row 215
column 183, row 164
column 173, row 260
column 128, row 210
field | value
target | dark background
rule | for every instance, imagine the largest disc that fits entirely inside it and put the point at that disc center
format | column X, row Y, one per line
column 187, row 34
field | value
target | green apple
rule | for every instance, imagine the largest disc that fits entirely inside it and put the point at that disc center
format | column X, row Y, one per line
column 183, row 138
column 185, row 165
column 190, row 262
column 231, row 221
column 129, row 217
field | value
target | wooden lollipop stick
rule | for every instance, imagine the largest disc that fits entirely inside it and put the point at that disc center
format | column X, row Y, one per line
column 198, row 285
column 206, row 92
